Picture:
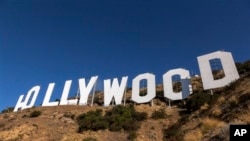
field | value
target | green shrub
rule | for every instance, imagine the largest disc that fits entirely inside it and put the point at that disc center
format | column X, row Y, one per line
column 197, row 100
column 244, row 98
column 92, row 120
column 159, row 114
column 140, row 116
column 8, row 110
column 124, row 117
column 172, row 134
column 243, row 67
column 116, row 119
column 98, row 100
column 232, row 86
column 132, row 135
column 35, row 113
column 179, row 103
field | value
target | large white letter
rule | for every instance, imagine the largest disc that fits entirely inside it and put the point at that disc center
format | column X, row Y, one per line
column 114, row 90
column 48, row 95
column 185, row 84
column 65, row 94
column 23, row 105
column 150, row 88
column 85, row 90
column 228, row 64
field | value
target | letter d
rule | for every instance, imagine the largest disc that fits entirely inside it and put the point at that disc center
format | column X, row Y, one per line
column 228, row 64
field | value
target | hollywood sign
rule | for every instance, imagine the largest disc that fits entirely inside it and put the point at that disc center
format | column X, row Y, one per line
column 115, row 90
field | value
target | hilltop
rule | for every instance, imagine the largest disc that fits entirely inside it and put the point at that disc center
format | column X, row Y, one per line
column 200, row 117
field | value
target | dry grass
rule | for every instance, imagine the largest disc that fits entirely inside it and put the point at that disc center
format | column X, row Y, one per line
column 221, row 99
column 216, row 111
column 193, row 135
column 233, row 99
column 208, row 124
column 245, row 117
column 204, row 107
column 18, row 133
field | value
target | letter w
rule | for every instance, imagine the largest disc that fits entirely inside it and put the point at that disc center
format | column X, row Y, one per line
column 114, row 90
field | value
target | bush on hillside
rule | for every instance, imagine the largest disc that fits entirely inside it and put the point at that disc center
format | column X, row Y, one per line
column 174, row 132
column 243, row 67
column 8, row 110
column 98, row 100
column 118, row 118
column 92, row 120
column 89, row 139
column 124, row 117
column 35, row 113
column 197, row 100
column 232, row 86
column 159, row 114
column 132, row 135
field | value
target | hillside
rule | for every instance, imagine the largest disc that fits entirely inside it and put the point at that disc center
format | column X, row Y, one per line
column 228, row 105
column 56, row 123
column 201, row 117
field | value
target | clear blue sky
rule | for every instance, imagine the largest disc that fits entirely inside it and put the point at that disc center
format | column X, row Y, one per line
column 43, row 41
